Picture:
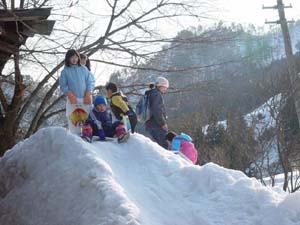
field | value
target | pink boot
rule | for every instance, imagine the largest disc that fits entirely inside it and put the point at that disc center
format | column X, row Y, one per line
column 121, row 133
column 87, row 133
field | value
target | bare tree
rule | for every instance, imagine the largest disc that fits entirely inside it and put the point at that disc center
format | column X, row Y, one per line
column 278, row 135
column 128, row 34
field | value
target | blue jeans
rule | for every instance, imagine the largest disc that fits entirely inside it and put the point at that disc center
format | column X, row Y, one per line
column 158, row 135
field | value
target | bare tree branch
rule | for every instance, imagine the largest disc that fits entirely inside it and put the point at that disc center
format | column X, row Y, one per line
column 34, row 123
column 168, row 70
column 43, row 114
column 125, row 8
column 3, row 100
column 4, row 4
column 43, row 3
column 52, row 114
column 38, row 88
column 22, row 4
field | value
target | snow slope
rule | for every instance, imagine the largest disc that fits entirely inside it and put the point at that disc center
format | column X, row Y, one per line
column 54, row 178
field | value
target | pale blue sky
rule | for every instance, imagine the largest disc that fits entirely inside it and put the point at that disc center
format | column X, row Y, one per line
column 242, row 11
column 250, row 11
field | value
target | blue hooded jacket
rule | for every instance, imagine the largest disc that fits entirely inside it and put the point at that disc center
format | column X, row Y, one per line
column 176, row 143
column 77, row 79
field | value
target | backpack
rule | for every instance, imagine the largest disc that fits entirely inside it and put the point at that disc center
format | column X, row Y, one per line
column 143, row 108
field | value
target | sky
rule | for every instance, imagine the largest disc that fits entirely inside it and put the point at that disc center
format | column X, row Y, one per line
column 241, row 11
column 250, row 11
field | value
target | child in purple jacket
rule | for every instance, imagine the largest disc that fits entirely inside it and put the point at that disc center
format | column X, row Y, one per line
column 101, row 123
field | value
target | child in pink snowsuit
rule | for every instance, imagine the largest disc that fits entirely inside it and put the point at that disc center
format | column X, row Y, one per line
column 182, row 143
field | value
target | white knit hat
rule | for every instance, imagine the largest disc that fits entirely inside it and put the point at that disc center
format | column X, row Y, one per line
column 161, row 81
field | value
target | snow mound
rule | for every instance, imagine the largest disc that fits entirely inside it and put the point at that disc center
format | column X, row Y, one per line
column 54, row 178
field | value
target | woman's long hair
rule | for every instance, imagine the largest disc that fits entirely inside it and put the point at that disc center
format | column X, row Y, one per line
column 87, row 63
column 69, row 54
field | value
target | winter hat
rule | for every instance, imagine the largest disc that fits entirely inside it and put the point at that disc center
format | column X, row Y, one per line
column 170, row 136
column 161, row 81
column 100, row 100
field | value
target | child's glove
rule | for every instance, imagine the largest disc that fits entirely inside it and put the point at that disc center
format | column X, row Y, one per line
column 71, row 97
column 87, row 98
column 101, row 134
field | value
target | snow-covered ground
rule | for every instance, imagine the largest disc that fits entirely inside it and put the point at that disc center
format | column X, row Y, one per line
column 54, row 178
column 279, row 180
column 262, row 117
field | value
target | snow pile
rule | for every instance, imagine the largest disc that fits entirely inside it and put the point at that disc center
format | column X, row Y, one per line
column 55, row 178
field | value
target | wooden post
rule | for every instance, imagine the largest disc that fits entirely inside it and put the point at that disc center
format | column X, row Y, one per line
column 12, row 4
column 292, row 68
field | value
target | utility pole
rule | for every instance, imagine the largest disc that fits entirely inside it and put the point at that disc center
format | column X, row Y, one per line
column 294, row 77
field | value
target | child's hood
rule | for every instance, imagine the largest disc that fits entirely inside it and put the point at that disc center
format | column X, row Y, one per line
column 184, row 137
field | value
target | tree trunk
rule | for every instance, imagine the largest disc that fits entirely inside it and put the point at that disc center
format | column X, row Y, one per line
column 285, row 183
column 7, row 135
column 8, row 131
column 6, row 142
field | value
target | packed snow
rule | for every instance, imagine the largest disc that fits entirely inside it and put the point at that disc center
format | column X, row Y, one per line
column 55, row 178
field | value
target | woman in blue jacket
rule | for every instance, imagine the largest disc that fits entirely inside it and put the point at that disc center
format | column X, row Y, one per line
column 77, row 83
